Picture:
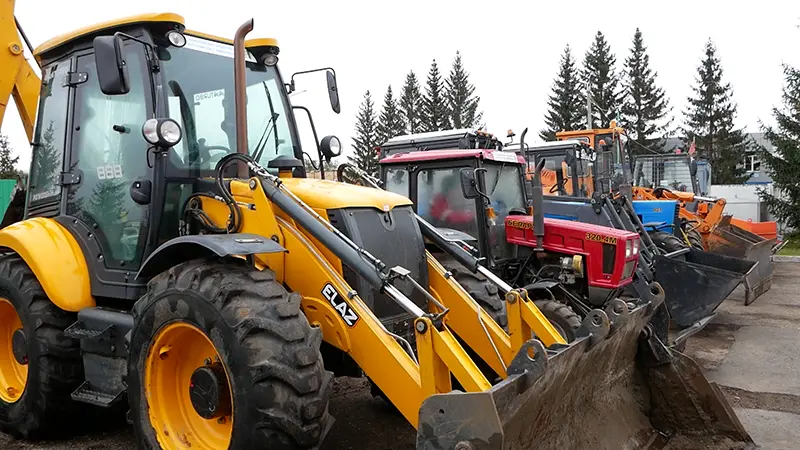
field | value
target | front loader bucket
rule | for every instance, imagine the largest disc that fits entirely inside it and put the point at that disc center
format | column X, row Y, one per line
column 599, row 393
column 730, row 240
column 695, row 287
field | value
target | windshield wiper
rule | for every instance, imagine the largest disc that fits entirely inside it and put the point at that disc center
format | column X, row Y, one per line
column 259, row 149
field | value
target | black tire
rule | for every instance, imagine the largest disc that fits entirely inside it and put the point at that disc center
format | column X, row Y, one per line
column 695, row 239
column 561, row 316
column 667, row 242
column 271, row 352
column 55, row 367
column 479, row 288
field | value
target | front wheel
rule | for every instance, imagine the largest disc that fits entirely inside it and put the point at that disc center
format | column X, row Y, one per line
column 222, row 357
column 695, row 239
column 667, row 243
column 561, row 317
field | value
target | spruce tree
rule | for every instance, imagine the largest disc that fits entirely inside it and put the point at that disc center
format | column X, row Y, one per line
column 7, row 162
column 566, row 104
column 46, row 164
column 645, row 106
column 435, row 116
column 600, row 78
column 784, row 165
column 411, row 104
column 462, row 103
column 390, row 122
column 709, row 121
column 366, row 139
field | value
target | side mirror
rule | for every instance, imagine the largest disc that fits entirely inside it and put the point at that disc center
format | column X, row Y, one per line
column 112, row 72
column 333, row 92
column 468, row 185
column 330, row 147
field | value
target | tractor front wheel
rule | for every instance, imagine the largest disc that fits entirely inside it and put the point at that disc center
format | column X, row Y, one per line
column 695, row 239
column 667, row 243
column 561, row 317
column 222, row 357
column 39, row 365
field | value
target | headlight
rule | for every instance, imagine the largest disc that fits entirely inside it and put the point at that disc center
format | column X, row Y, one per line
column 170, row 131
column 162, row 132
column 628, row 249
column 635, row 246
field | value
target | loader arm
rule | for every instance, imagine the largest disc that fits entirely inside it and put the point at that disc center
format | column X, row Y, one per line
column 17, row 77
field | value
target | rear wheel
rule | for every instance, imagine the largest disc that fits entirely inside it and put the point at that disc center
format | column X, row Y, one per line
column 561, row 316
column 39, row 366
column 222, row 357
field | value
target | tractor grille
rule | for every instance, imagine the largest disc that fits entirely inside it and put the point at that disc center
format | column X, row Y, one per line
column 395, row 239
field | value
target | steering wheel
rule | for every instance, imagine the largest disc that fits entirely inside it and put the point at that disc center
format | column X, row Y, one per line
column 558, row 186
column 206, row 157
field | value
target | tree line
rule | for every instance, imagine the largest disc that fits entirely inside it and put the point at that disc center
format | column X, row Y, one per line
column 443, row 104
column 631, row 95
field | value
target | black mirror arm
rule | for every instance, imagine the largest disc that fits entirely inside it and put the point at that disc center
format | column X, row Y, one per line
column 152, row 60
column 316, row 139
column 475, row 182
column 291, row 80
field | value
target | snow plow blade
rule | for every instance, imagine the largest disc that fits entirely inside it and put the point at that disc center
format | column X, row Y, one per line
column 731, row 240
column 694, row 287
column 619, row 391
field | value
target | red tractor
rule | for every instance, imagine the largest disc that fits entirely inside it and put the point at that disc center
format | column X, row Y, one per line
column 472, row 196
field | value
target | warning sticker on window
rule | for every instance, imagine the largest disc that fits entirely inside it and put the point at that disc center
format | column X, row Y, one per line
column 214, row 48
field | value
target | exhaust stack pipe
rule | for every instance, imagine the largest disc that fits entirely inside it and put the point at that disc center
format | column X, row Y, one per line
column 240, row 94
column 537, row 197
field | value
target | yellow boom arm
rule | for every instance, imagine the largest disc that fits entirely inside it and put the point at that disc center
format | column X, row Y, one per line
column 17, row 77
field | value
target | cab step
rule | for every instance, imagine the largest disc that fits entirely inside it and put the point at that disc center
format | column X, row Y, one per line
column 104, row 334
column 86, row 394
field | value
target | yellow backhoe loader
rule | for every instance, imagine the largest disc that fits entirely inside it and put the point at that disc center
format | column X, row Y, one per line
column 172, row 258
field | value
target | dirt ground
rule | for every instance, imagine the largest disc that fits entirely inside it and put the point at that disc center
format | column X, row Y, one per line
column 753, row 352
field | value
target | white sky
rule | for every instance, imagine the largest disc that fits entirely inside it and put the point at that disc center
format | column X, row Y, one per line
column 511, row 49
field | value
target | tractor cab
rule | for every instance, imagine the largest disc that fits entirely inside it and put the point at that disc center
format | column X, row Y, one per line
column 467, row 190
column 568, row 168
column 676, row 172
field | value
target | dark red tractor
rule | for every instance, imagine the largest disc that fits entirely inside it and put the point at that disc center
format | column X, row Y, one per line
column 472, row 206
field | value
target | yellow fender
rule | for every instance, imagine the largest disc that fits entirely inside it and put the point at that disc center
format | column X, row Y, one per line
column 55, row 258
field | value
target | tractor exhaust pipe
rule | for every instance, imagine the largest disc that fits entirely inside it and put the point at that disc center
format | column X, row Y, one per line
column 537, row 197
column 240, row 94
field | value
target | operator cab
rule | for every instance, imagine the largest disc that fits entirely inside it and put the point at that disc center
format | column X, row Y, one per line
column 467, row 190
column 676, row 172
column 568, row 167
column 131, row 126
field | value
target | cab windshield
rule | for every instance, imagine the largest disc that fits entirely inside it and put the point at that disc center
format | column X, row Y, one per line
column 504, row 188
column 200, row 90
column 565, row 176
column 666, row 172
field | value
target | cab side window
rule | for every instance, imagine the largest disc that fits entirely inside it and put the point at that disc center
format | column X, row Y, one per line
column 48, row 150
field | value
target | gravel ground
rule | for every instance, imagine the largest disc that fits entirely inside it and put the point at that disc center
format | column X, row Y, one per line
column 368, row 423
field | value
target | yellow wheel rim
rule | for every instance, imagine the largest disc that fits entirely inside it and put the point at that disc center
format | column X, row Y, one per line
column 13, row 375
column 177, row 351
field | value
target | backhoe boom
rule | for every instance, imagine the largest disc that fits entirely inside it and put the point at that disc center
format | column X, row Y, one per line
column 17, row 77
